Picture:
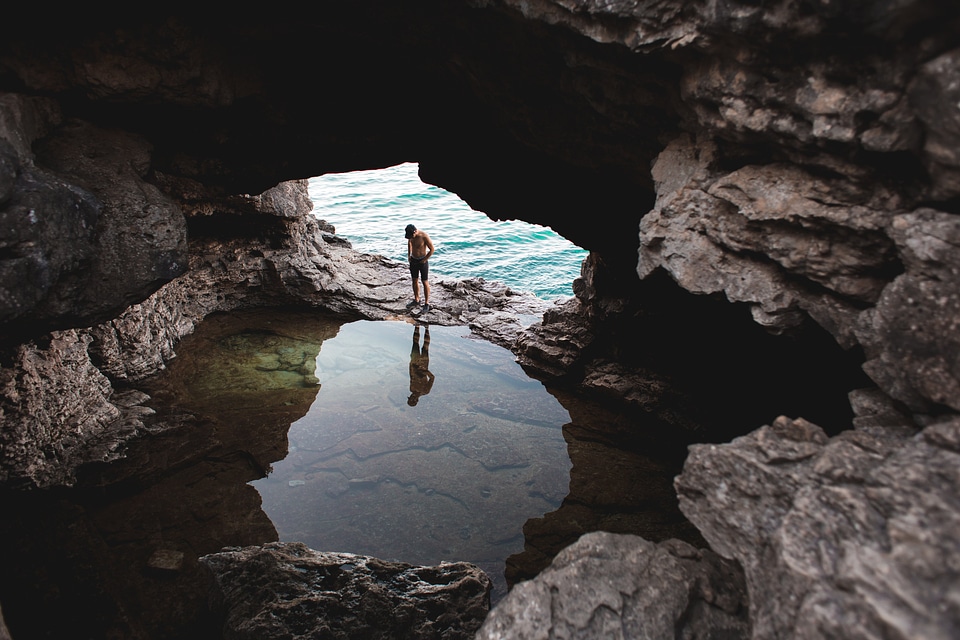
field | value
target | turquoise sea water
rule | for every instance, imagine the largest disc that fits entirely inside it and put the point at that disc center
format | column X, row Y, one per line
column 371, row 209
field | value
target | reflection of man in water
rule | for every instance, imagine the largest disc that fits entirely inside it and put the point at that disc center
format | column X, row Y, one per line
column 421, row 380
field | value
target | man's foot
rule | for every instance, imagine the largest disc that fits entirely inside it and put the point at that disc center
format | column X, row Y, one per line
column 412, row 304
column 426, row 307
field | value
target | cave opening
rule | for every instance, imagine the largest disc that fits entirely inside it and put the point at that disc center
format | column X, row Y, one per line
column 371, row 208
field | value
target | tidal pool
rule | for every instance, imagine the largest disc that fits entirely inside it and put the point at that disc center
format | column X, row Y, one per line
column 422, row 445
column 351, row 436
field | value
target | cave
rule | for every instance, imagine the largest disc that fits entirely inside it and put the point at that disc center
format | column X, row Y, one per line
column 767, row 192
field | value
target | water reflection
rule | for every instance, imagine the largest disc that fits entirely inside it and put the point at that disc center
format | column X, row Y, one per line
column 117, row 555
column 373, row 471
column 488, row 468
column 421, row 380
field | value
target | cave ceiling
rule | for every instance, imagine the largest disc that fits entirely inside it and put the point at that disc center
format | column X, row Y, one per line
column 553, row 112
column 521, row 119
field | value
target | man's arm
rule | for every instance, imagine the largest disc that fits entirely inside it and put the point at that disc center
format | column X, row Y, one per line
column 429, row 244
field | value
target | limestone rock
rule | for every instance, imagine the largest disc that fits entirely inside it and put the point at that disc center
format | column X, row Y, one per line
column 555, row 345
column 288, row 199
column 88, row 230
column 806, row 132
column 934, row 88
column 285, row 590
column 55, row 409
column 776, row 237
column 602, row 586
column 803, row 162
column 849, row 536
column 69, row 407
column 911, row 335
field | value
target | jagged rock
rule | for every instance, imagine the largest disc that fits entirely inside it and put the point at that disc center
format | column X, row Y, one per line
column 602, row 586
column 288, row 199
column 86, row 230
column 873, row 408
column 912, row 335
column 930, row 93
column 70, row 403
column 54, row 406
column 48, row 225
column 779, row 238
column 285, row 590
column 850, row 536
column 141, row 235
column 804, row 164
column 643, row 390
column 799, row 148
column 555, row 345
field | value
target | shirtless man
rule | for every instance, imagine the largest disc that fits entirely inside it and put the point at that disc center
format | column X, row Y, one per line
column 419, row 250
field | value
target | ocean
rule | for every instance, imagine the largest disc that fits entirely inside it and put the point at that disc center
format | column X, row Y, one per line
column 371, row 209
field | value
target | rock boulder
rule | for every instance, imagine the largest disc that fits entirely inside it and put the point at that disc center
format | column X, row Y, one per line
column 285, row 590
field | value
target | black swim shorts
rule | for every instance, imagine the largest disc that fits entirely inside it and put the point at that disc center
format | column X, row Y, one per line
column 419, row 266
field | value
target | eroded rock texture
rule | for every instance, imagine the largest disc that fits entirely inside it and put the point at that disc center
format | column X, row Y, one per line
column 600, row 587
column 285, row 590
column 846, row 537
column 768, row 191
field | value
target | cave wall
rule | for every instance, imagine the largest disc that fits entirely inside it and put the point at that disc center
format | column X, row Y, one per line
column 240, row 103
column 747, row 176
column 798, row 159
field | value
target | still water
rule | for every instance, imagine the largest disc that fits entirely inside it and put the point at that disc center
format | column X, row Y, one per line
column 352, row 436
column 422, row 445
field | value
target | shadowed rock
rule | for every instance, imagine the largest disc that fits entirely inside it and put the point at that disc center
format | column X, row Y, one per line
column 284, row 590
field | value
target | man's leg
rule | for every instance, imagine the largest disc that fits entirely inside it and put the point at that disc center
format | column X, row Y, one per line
column 425, row 276
column 414, row 275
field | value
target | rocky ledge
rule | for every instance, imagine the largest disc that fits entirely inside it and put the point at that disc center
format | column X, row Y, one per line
column 602, row 587
column 61, row 404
